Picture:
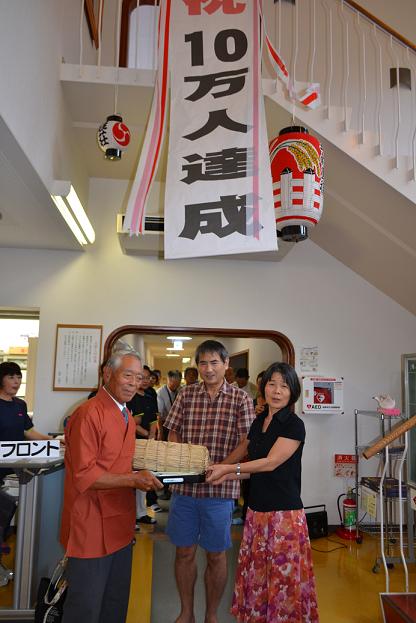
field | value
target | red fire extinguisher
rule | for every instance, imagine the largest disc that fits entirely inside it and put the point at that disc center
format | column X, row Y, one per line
column 347, row 530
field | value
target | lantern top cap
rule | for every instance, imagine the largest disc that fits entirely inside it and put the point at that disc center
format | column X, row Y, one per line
column 114, row 118
column 294, row 128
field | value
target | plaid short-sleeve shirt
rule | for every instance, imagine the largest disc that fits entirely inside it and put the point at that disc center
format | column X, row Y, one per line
column 218, row 424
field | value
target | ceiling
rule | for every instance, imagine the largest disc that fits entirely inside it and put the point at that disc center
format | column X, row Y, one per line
column 366, row 224
column 158, row 344
column 29, row 218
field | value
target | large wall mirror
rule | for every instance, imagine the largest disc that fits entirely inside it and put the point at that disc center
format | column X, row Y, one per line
column 173, row 348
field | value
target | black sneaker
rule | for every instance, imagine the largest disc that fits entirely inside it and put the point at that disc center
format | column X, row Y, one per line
column 146, row 519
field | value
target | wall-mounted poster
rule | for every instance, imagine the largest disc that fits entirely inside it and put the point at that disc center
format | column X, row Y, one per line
column 77, row 357
column 345, row 465
column 322, row 394
column 309, row 359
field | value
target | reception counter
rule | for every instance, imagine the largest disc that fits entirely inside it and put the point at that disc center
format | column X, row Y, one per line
column 37, row 540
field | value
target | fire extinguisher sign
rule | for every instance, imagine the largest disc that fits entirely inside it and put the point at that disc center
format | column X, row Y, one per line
column 345, row 465
column 321, row 394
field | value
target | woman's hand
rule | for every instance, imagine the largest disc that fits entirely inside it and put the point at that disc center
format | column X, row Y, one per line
column 219, row 473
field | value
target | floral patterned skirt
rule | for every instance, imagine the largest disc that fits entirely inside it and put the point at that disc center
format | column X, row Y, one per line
column 274, row 580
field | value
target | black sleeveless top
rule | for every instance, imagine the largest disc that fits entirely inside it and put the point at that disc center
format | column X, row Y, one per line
column 279, row 489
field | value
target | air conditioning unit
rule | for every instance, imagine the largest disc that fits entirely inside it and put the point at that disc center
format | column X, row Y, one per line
column 151, row 243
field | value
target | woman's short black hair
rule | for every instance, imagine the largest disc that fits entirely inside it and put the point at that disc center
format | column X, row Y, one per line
column 289, row 376
column 9, row 368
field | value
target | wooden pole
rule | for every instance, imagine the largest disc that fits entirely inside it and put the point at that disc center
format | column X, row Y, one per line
column 391, row 436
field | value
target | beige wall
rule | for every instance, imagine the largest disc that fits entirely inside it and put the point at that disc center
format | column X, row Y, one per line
column 400, row 15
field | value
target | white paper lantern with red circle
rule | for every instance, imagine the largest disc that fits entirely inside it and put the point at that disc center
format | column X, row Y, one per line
column 113, row 137
column 297, row 163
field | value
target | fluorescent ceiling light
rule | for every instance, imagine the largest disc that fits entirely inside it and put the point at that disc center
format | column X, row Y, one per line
column 69, row 219
column 71, row 209
column 171, row 355
column 177, row 345
column 186, row 360
column 80, row 215
column 183, row 338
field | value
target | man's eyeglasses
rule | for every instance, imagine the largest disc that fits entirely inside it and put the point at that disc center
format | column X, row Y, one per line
column 129, row 376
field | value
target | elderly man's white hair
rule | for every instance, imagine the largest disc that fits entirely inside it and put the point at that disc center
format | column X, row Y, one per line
column 116, row 356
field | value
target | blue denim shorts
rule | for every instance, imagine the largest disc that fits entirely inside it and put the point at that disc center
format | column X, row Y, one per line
column 200, row 521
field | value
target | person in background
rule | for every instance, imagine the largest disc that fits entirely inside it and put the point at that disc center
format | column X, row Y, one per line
column 150, row 389
column 98, row 516
column 191, row 376
column 166, row 396
column 15, row 425
column 154, row 379
column 143, row 407
column 217, row 415
column 259, row 406
column 259, row 402
column 230, row 376
column 158, row 377
column 242, row 380
column 274, row 577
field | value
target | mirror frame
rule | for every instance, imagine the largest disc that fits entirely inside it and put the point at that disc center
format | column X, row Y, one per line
column 285, row 345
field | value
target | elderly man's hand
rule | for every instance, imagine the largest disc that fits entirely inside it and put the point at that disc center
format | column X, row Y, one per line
column 146, row 481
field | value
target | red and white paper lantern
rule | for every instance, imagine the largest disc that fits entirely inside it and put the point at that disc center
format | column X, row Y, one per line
column 113, row 137
column 297, row 163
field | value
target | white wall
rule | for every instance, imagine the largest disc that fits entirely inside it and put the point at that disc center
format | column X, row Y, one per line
column 400, row 15
column 261, row 353
column 309, row 296
column 32, row 102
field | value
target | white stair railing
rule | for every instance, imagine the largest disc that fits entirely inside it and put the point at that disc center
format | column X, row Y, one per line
column 351, row 57
column 330, row 42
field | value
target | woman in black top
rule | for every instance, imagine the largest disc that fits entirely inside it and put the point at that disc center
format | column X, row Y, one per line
column 274, row 579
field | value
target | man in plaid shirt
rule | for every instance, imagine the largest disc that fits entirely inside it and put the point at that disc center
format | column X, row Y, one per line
column 217, row 415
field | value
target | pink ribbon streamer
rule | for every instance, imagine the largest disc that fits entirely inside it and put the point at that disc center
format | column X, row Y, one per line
column 150, row 154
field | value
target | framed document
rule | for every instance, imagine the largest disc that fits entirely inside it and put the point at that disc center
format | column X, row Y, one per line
column 77, row 357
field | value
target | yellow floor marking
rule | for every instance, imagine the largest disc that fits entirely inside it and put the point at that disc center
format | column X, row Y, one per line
column 140, row 604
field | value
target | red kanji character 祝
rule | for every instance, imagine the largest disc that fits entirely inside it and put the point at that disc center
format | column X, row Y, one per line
column 229, row 7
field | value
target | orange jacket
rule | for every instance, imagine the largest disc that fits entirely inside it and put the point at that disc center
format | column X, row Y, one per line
column 97, row 522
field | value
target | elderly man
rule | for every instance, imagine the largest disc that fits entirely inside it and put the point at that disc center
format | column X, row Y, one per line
column 98, row 517
column 217, row 415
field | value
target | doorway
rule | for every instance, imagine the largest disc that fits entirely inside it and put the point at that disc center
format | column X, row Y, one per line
column 19, row 331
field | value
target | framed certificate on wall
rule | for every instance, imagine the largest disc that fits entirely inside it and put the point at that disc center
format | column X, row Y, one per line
column 77, row 357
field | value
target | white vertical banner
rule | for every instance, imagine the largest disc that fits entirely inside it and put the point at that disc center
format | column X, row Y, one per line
column 219, row 196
